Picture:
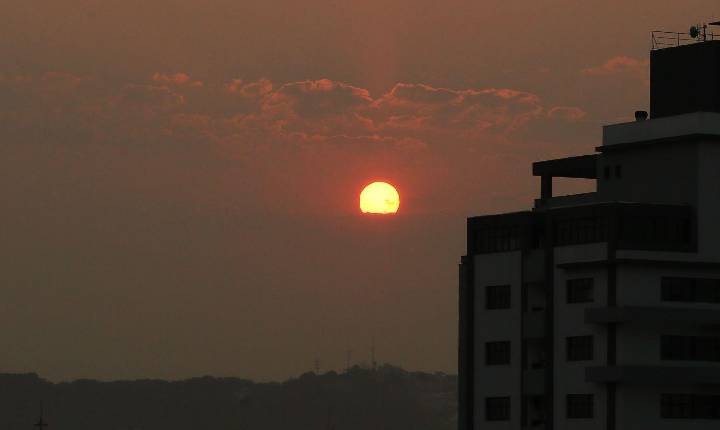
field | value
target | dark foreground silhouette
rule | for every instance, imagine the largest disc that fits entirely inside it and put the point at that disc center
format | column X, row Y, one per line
column 386, row 398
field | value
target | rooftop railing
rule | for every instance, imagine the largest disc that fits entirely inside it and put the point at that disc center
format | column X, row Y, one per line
column 669, row 39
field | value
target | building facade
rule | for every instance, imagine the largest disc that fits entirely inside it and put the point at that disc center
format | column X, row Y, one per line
column 602, row 310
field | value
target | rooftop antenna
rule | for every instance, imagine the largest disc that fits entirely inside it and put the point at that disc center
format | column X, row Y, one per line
column 330, row 420
column 41, row 424
column 373, row 363
column 317, row 365
column 698, row 32
column 349, row 358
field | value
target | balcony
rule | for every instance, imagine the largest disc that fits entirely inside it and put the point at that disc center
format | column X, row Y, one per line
column 567, row 200
column 636, row 226
column 584, row 167
column 665, row 316
column 535, row 414
column 534, row 324
column 534, row 382
column 653, row 375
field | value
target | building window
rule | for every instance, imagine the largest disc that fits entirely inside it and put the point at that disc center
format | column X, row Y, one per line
column 676, row 405
column 580, row 290
column 576, row 231
column 579, row 348
column 497, row 353
column 618, row 171
column 690, row 348
column 690, row 406
column 499, row 239
column 497, row 408
column 579, row 405
column 693, row 290
column 659, row 231
column 497, row 297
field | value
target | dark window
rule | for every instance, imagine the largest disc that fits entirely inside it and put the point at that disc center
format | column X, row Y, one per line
column 579, row 348
column 690, row 348
column 676, row 405
column 579, row 405
column 497, row 408
column 580, row 290
column 499, row 239
column 618, row 171
column 497, row 353
column 690, row 406
column 497, row 297
column 658, row 231
column 696, row 290
column 606, row 172
column 580, row 230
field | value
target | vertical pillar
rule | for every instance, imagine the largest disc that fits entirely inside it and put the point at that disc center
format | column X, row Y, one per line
column 466, row 343
column 613, row 217
column 549, row 285
column 546, row 191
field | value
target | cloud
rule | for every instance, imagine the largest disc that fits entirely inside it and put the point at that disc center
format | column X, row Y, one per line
column 620, row 65
column 404, row 94
column 317, row 99
column 567, row 113
column 151, row 95
column 176, row 79
column 420, row 106
column 249, row 114
column 303, row 128
column 254, row 89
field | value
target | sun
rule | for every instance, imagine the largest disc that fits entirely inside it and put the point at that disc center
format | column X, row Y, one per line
column 379, row 198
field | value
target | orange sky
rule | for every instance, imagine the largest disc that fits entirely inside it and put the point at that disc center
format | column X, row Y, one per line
column 180, row 178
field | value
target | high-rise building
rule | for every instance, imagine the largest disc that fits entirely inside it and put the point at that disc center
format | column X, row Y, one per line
column 602, row 310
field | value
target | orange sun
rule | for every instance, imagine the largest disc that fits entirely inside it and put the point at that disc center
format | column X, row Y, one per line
column 379, row 198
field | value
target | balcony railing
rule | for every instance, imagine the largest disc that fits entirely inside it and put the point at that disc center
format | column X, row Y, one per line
column 669, row 39
column 651, row 375
column 638, row 226
column 566, row 200
column 665, row 315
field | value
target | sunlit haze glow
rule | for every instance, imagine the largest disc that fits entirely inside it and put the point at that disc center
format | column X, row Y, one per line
column 379, row 198
column 177, row 170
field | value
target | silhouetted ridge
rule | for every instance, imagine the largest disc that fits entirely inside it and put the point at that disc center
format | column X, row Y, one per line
column 388, row 397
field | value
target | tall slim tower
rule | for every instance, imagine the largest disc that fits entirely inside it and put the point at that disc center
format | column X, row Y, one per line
column 602, row 310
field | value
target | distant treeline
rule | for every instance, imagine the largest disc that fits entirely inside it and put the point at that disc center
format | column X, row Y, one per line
column 359, row 399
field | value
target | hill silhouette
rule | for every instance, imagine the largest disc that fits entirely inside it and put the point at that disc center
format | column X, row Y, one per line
column 359, row 399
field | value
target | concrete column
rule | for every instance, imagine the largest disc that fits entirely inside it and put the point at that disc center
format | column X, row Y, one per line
column 546, row 187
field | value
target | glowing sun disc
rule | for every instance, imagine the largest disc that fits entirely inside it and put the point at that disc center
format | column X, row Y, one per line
column 379, row 198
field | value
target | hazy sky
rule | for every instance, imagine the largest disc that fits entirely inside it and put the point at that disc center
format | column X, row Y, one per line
column 179, row 179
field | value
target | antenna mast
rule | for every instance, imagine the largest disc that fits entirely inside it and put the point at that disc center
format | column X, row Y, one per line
column 41, row 424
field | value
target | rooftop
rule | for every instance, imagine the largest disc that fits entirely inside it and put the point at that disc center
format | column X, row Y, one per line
column 671, row 39
column 583, row 166
column 664, row 128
